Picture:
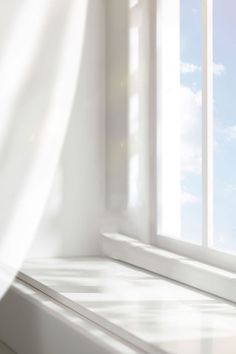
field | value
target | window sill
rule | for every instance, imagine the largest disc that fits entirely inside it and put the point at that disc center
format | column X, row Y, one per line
column 185, row 270
column 145, row 311
column 32, row 321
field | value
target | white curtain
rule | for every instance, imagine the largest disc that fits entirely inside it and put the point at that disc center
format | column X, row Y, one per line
column 40, row 50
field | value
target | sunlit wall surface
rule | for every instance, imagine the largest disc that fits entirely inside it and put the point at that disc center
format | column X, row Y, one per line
column 40, row 51
column 179, row 122
column 224, row 49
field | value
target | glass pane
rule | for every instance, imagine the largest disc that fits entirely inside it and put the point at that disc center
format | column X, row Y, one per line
column 224, row 125
column 179, row 128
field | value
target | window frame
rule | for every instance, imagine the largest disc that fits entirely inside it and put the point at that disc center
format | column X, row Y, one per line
column 205, row 251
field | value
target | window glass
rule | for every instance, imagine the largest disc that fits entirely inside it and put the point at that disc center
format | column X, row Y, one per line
column 179, row 125
column 224, row 84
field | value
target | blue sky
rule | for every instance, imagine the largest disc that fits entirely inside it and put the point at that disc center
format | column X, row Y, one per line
column 224, row 119
column 225, row 122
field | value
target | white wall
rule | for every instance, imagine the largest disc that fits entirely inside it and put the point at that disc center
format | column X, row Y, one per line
column 116, row 104
column 129, row 114
column 71, row 222
column 106, row 155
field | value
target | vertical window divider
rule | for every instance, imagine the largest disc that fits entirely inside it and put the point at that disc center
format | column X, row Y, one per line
column 153, row 195
column 207, row 122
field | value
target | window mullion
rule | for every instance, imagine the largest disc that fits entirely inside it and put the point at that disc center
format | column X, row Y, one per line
column 207, row 120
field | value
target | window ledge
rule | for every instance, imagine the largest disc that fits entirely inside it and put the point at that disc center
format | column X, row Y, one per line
column 196, row 274
column 147, row 312
column 32, row 321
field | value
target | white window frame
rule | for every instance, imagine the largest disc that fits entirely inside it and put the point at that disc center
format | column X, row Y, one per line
column 204, row 252
column 198, row 266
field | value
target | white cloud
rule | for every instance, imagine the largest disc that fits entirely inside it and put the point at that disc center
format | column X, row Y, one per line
column 218, row 69
column 230, row 132
column 191, row 130
column 189, row 68
column 230, row 188
column 191, row 117
column 189, row 198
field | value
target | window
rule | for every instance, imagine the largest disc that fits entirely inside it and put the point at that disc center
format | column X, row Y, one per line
column 196, row 129
column 224, row 107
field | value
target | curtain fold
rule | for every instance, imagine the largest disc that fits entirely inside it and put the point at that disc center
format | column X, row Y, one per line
column 40, row 50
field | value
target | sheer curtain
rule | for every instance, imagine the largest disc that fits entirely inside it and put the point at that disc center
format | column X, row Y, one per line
column 40, row 51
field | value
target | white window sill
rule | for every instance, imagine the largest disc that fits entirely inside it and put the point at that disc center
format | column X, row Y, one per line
column 202, row 276
column 32, row 322
column 145, row 310
column 141, row 311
